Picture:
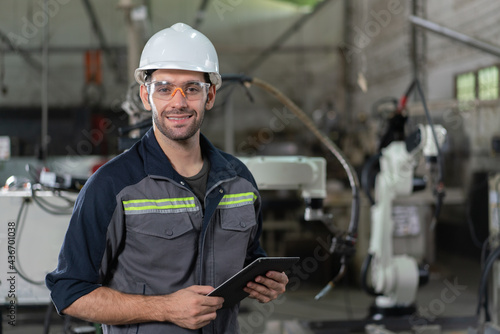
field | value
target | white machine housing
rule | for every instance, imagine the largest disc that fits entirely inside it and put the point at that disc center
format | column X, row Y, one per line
column 307, row 174
column 396, row 277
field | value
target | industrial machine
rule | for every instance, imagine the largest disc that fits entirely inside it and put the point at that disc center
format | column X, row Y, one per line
column 395, row 278
column 489, row 294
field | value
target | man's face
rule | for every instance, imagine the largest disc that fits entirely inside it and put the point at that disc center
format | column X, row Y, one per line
column 178, row 119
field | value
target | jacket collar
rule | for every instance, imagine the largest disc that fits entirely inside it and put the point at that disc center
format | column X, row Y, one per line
column 156, row 163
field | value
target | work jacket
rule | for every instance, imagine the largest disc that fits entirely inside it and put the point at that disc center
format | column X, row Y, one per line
column 137, row 227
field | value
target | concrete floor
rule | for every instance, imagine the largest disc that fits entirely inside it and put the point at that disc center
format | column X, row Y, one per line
column 448, row 299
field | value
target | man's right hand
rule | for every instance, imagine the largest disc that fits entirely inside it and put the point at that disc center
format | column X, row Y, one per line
column 191, row 307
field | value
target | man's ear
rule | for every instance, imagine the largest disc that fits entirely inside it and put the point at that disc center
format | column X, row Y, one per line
column 210, row 98
column 145, row 97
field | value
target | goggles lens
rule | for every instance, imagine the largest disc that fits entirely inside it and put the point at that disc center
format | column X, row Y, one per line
column 164, row 90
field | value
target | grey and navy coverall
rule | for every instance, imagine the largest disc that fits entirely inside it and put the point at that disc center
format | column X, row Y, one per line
column 138, row 228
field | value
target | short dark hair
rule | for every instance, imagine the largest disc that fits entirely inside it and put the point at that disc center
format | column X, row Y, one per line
column 147, row 75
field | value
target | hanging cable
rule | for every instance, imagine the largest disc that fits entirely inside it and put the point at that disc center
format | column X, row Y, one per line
column 483, row 285
column 439, row 190
column 18, row 232
column 333, row 148
column 343, row 244
column 52, row 208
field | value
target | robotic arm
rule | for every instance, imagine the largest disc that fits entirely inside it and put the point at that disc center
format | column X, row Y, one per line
column 395, row 278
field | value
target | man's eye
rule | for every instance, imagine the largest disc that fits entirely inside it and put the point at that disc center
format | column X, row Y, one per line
column 164, row 90
column 192, row 89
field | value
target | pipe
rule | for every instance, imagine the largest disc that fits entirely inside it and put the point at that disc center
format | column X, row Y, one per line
column 54, row 49
column 454, row 35
column 351, row 173
column 133, row 45
column 44, row 88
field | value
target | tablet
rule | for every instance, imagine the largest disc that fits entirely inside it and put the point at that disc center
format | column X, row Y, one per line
column 232, row 289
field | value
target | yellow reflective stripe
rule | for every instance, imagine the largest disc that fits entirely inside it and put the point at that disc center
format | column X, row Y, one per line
column 239, row 198
column 240, row 195
column 156, row 204
column 236, row 202
column 159, row 200
column 150, row 207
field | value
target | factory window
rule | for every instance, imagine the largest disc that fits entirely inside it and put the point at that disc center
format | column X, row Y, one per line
column 488, row 83
column 466, row 86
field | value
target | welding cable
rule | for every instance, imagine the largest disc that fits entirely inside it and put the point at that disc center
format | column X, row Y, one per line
column 366, row 178
column 330, row 285
column 404, row 99
column 364, row 276
column 439, row 188
column 52, row 208
column 246, row 81
column 19, row 225
column 351, row 236
column 470, row 223
column 440, row 192
column 306, row 120
column 483, row 285
column 236, row 78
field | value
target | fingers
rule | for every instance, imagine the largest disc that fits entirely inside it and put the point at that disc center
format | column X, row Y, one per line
column 268, row 288
column 209, row 300
column 191, row 308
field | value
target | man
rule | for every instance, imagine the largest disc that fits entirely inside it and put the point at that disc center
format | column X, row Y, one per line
column 158, row 227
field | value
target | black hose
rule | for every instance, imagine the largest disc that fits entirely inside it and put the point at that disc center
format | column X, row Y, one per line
column 483, row 285
column 18, row 230
column 439, row 191
column 364, row 276
column 52, row 208
column 366, row 179
column 440, row 185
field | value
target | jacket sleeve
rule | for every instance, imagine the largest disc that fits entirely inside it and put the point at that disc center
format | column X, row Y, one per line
column 81, row 255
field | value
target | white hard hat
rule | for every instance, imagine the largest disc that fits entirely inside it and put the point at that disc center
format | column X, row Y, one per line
column 179, row 47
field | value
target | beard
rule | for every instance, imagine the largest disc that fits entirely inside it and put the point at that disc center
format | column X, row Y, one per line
column 181, row 132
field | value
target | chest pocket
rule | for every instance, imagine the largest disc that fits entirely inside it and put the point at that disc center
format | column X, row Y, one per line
column 164, row 218
column 167, row 227
column 160, row 236
column 237, row 212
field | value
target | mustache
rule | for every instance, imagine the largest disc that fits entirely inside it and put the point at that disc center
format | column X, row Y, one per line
column 177, row 112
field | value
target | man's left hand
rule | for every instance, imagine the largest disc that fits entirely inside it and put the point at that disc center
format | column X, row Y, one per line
column 267, row 288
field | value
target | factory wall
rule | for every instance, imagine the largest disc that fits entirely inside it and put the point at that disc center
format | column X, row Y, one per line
column 335, row 66
column 386, row 53
column 305, row 67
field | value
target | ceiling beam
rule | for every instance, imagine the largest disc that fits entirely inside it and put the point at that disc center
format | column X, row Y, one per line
column 200, row 14
column 261, row 58
column 456, row 36
column 96, row 26
column 24, row 54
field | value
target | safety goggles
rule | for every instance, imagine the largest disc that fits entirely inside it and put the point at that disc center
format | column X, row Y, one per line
column 191, row 90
